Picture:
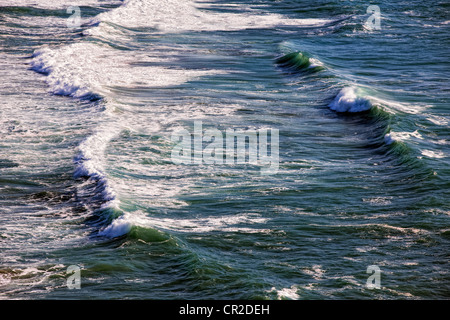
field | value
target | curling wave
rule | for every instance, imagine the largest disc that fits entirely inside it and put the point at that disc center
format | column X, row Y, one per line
column 350, row 99
column 299, row 62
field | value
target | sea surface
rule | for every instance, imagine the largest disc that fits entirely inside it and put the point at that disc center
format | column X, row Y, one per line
column 92, row 91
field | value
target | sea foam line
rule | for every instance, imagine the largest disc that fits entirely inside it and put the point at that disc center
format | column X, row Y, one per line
column 90, row 162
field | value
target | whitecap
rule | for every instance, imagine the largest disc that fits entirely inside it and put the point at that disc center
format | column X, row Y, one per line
column 350, row 99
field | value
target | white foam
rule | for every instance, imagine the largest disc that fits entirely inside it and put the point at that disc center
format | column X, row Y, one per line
column 441, row 142
column 315, row 63
column 117, row 228
column 84, row 68
column 438, row 120
column 234, row 223
column 315, row 271
column 433, row 154
column 377, row 201
column 91, row 161
column 93, row 149
column 350, row 99
column 401, row 136
column 395, row 106
column 55, row 4
column 186, row 15
column 356, row 99
column 286, row 293
column 406, row 230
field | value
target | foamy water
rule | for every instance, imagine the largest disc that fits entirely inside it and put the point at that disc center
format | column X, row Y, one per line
column 87, row 178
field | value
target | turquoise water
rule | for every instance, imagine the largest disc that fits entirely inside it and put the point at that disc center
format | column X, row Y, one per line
column 87, row 177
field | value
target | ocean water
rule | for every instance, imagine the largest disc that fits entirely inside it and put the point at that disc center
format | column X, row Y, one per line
column 88, row 106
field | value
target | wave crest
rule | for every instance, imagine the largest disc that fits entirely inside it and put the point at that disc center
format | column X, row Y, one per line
column 299, row 61
column 350, row 99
